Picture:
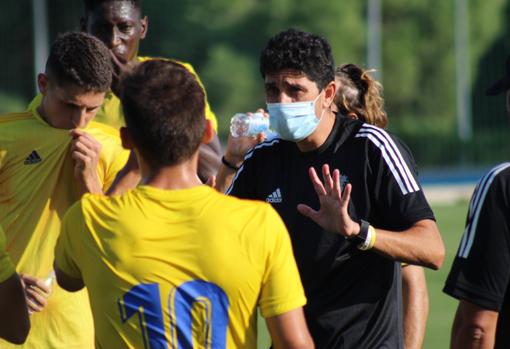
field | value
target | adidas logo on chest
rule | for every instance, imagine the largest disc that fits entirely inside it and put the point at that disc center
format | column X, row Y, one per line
column 32, row 159
column 275, row 197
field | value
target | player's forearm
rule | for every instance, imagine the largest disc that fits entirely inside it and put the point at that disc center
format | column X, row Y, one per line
column 416, row 305
column 209, row 159
column 89, row 185
column 237, row 147
column 227, row 171
column 289, row 331
column 224, row 178
column 421, row 245
column 473, row 337
column 474, row 327
column 414, row 329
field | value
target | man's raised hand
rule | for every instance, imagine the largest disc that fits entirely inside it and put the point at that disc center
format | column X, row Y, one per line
column 333, row 215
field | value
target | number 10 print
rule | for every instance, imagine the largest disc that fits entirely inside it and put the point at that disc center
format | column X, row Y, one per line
column 144, row 300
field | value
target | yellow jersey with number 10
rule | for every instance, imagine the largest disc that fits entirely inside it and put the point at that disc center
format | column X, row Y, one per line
column 179, row 268
column 37, row 187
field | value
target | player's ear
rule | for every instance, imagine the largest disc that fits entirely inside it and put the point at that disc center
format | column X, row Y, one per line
column 144, row 27
column 329, row 94
column 42, row 83
column 208, row 132
column 125, row 137
column 352, row 115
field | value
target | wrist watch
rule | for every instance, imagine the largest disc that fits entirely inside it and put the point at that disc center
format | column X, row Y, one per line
column 361, row 237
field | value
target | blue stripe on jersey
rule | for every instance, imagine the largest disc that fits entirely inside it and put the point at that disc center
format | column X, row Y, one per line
column 248, row 155
column 475, row 207
column 392, row 156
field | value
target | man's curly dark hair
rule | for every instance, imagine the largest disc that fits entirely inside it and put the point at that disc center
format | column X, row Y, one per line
column 90, row 5
column 295, row 49
column 80, row 59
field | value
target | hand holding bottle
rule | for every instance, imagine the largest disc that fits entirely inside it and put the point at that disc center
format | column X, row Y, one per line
column 246, row 131
column 37, row 291
column 243, row 125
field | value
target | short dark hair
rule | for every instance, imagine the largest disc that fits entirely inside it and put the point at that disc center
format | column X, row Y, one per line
column 80, row 59
column 295, row 49
column 90, row 5
column 164, row 108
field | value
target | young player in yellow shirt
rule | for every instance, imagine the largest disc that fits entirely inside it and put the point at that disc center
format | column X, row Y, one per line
column 49, row 156
column 173, row 263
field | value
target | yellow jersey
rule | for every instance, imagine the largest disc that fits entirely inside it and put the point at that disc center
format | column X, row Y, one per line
column 111, row 112
column 179, row 268
column 6, row 265
column 37, row 187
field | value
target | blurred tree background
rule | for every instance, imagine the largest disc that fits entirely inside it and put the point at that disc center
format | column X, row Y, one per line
column 222, row 40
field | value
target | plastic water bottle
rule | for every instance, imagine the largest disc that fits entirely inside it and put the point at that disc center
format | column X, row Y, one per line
column 48, row 282
column 243, row 125
column 50, row 279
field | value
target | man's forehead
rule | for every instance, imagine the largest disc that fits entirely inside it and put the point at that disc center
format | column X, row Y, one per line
column 73, row 93
column 114, row 10
column 286, row 75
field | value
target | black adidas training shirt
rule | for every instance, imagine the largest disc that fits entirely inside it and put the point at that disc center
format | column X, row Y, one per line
column 354, row 297
column 481, row 270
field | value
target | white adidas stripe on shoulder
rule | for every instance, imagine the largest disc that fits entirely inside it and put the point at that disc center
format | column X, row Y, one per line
column 248, row 155
column 392, row 157
column 475, row 207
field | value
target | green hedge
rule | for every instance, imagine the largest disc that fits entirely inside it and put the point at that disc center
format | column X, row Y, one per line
column 446, row 149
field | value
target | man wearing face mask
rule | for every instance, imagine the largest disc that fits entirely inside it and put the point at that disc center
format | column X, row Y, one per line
column 371, row 209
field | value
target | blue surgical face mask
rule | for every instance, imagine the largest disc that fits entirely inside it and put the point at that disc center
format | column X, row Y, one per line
column 293, row 121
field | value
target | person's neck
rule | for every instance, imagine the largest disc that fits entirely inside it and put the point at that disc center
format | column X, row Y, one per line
column 319, row 136
column 182, row 176
column 42, row 113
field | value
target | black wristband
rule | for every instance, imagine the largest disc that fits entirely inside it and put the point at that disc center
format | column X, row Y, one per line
column 228, row 164
column 361, row 237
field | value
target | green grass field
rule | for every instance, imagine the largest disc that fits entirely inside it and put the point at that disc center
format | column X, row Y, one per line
column 450, row 219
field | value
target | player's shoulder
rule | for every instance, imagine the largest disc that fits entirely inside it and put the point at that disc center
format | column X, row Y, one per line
column 234, row 206
column 10, row 118
column 496, row 179
column 254, row 220
column 381, row 143
column 245, row 203
column 16, row 127
column 84, row 214
column 89, row 199
column 269, row 147
column 500, row 171
column 186, row 65
column 93, row 206
column 378, row 137
column 74, row 214
column 112, row 203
